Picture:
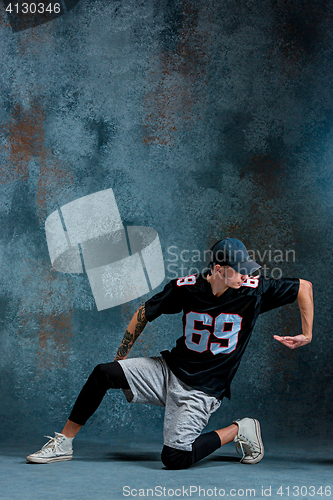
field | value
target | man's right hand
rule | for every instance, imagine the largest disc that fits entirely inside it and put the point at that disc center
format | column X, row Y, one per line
column 293, row 342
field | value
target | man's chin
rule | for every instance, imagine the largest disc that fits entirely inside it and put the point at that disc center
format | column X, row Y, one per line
column 236, row 286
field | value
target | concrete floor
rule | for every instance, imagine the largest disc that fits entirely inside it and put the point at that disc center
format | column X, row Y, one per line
column 103, row 471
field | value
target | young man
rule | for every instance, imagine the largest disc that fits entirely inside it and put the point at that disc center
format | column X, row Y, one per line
column 220, row 308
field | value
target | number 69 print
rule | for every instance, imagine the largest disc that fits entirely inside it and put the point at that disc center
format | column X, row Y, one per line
column 226, row 327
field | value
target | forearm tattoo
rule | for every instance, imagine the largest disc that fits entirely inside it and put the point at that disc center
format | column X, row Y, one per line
column 130, row 337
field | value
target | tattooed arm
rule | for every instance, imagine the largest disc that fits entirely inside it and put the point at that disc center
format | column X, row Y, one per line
column 137, row 324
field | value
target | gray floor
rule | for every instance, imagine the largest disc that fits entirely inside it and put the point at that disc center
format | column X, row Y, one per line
column 105, row 471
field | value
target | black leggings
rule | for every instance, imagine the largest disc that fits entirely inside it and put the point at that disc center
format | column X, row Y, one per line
column 111, row 376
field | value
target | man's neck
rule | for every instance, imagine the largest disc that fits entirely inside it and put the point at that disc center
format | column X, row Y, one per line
column 218, row 288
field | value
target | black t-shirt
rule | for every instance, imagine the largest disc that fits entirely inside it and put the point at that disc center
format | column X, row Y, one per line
column 216, row 329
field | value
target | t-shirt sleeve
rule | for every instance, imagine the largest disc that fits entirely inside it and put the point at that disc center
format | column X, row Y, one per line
column 276, row 293
column 169, row 301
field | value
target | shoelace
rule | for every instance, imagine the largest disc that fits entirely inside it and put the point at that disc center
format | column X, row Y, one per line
column 50, row 443
column 244, row 443
column 240, row 449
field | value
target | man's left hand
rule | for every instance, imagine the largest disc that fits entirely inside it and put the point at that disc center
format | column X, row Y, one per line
column 293, row 342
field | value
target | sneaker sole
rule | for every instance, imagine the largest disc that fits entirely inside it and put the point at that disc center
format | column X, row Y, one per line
column 36, row 460
column 261, row 454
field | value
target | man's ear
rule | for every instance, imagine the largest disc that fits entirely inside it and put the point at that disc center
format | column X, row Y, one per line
column 218, row 268
column 213, row 269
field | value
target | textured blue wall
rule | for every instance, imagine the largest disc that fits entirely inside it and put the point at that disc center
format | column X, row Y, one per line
column 208, row 119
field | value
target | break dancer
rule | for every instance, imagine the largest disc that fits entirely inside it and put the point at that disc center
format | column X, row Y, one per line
column 220, row 308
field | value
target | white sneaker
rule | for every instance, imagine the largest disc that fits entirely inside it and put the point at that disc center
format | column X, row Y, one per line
column 248, row 440
column 58, row 448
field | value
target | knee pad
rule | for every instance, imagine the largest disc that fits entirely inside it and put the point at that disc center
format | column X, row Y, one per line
column 99, row 378
column 98, row 372
column 110, row 376
column 176, row 459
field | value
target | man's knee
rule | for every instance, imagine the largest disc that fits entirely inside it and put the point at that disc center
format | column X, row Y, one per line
column 98, row 372
column 99, row 378
column 176, row 459
column 109, row 376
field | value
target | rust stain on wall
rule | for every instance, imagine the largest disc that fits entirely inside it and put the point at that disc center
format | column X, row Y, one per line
column 25, row 142
column 55, row 329
column 54, row 326
column 174, row 81
column 23, row 133
column 32, row 39
column 54, row 340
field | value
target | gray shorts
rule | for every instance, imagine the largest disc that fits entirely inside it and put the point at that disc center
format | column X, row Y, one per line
column 187, row 410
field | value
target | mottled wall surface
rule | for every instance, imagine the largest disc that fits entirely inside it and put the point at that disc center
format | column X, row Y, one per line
column 207, row 119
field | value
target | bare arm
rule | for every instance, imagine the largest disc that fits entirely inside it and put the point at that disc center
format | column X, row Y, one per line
column 305, row 304
column 137, row 324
